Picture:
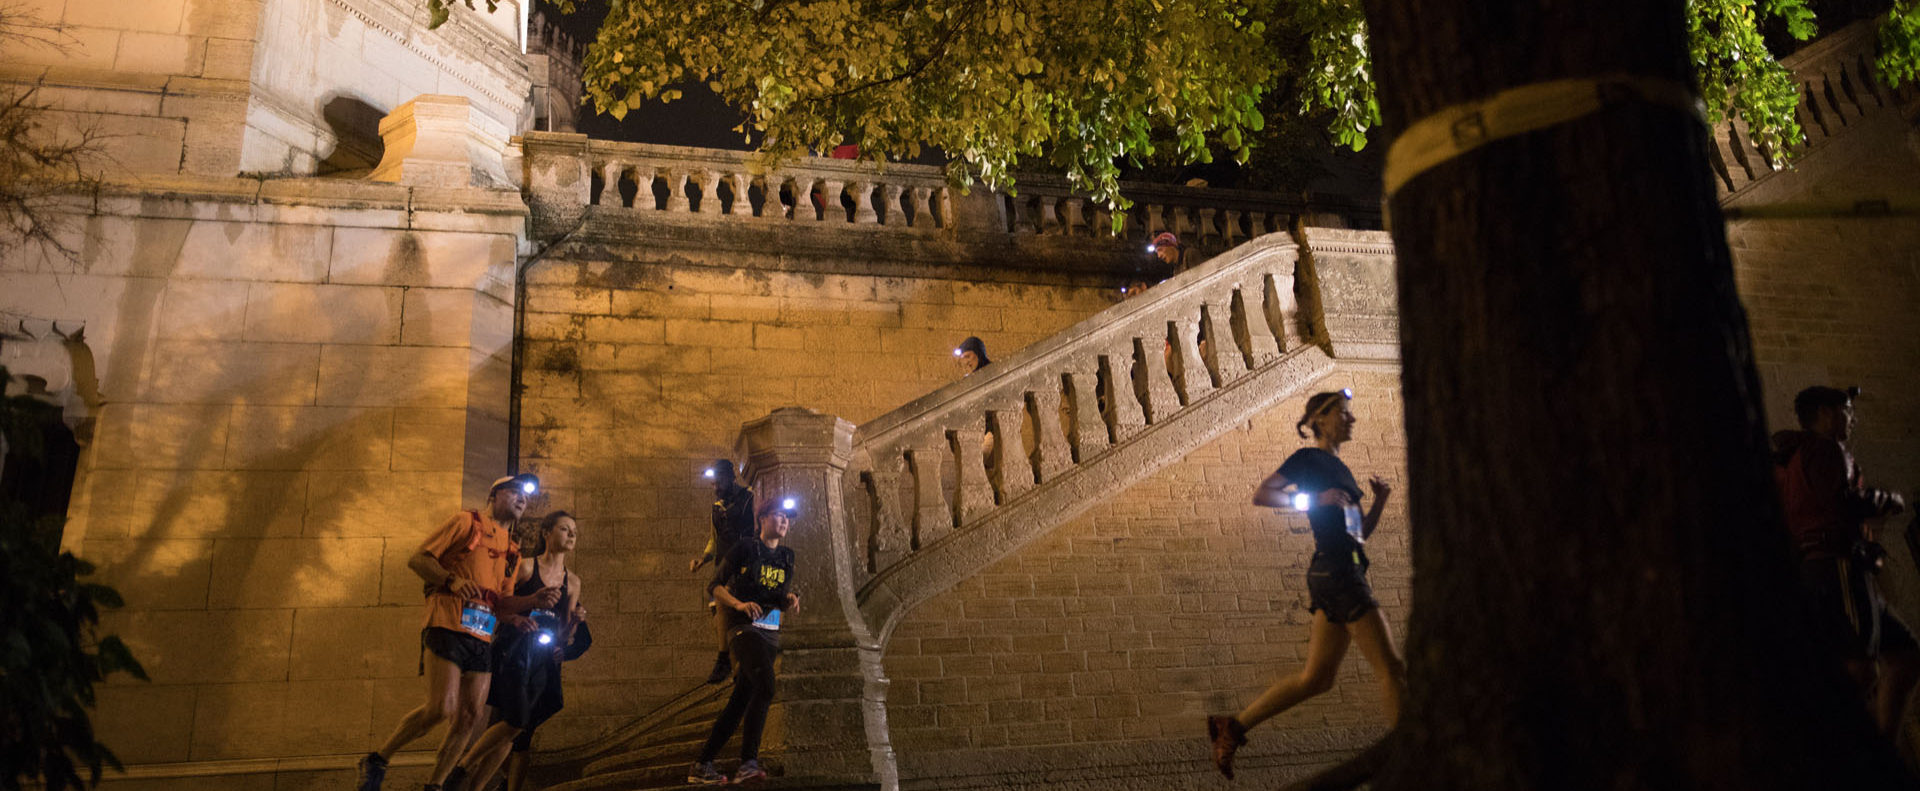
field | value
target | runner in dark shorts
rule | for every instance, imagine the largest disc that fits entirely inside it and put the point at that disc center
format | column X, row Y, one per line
column 1343, row 607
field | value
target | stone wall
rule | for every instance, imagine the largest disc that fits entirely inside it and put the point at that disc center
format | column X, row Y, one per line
column 644, row 363
column 1832, row 290
column 1090, row 657
column 219, row 87
column 293, row 382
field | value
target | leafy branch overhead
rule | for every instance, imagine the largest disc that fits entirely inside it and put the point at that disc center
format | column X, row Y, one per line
column 1079, row 86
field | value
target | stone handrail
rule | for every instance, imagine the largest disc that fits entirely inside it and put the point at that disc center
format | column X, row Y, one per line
column 1838, row 88
column 1068, row 413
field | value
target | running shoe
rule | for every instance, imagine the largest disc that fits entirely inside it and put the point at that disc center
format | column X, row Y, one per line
column 722, row 667
column 373, row 772
column 1227, row 735
column 703, row 774
column 749, row 772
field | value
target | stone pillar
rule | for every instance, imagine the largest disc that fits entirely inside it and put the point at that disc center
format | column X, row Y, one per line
column 430, row 142
column 832, row 686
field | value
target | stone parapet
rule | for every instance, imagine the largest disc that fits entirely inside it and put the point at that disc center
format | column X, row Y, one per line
column 620, row 191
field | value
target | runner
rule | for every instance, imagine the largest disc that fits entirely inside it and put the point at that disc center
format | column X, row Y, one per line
column 467, row 565
column 527, row 657
column 751, row 585
column 1338, row 595
column 732, row 520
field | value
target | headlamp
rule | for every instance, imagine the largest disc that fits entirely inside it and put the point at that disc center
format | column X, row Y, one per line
column 1302, row 501
column 956, row 352
column 707, row 473
column 1348, row 392
column 526, row 483
column 788, row 504
column 1153, row 248
column 529, row 487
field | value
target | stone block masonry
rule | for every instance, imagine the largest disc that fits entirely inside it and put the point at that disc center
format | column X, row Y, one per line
column 288, row 377
column 642, row 366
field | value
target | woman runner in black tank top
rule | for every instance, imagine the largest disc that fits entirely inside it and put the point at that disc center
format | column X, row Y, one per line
column 1339, row 598
column 527, row 657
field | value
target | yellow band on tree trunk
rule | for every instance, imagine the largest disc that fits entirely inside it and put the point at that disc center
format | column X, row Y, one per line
column 1455, row 130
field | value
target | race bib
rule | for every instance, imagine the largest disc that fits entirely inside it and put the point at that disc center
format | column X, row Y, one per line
column 476, row 618
column 769, row 620
column 1356, row 526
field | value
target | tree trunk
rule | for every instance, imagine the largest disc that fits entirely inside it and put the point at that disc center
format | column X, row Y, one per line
column 1604, row 594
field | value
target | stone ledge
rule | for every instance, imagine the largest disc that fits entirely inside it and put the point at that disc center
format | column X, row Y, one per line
column 1143, row 764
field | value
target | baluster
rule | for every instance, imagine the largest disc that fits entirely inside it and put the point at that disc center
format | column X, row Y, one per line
column 1089, row 435
column 1850, row 111
column 1283, row 312
column 1075, row 221
column 610, row 174
column 1227, row 361
column 973, row 492
column 1195, row 380
column 1250, row 325
column 742, row 195
column 1012, row 474
column 710, row 191
column 1208, row 230
column 887, row 543
column 1122, row 410
column 803, row 208
column 895, row 216
column 1152, row 219
column 1181, row 221
column 1021, row 216
column 677, row 191
column 1230, row 233
column 831, row 190
column 931, row 516
column 922, row 208
column 1049, row 216
column 1056, row 457
column 1161, row 401
column 863, row 213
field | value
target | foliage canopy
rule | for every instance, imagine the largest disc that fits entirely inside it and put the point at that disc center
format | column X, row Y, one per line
column 1080, row 86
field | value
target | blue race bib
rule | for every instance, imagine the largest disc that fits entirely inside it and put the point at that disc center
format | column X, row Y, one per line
column 769, row 620
column 476, row 618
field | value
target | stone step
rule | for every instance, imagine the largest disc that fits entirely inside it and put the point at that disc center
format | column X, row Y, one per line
column 680, row 740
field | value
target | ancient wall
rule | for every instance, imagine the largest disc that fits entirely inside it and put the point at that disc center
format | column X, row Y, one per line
column 642, row 366
column 1091, row 657
column 291, row 382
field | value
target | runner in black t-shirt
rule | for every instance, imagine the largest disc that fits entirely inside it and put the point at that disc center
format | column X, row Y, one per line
column 1338, row 596
column 751, row 585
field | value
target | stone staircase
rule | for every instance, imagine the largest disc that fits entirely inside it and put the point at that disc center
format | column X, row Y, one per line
column 931, row 493
column 1073, row 419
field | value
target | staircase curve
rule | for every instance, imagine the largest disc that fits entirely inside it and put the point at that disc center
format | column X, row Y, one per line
column 953, row 481
column 1077, row 418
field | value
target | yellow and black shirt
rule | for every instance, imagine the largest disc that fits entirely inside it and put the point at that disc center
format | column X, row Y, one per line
column 756, row 573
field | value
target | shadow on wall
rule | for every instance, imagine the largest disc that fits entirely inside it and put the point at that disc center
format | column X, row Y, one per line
column 356, row 135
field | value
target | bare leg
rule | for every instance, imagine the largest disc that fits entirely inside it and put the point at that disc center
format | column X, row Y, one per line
column 1325, row 647
column 488, row 752
column 1375, row 638
column 443, row 698
column 720, row 627
column 517, row 771
column 467, row 721
column 1899, row 670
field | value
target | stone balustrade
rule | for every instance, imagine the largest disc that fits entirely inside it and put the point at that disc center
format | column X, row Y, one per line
column 1204, row 218
column 924, row 475
column 569, row 176
column 731, row 184
column 1838, row 89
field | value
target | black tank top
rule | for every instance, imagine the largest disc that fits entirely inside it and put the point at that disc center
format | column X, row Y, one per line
column 532, row 585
